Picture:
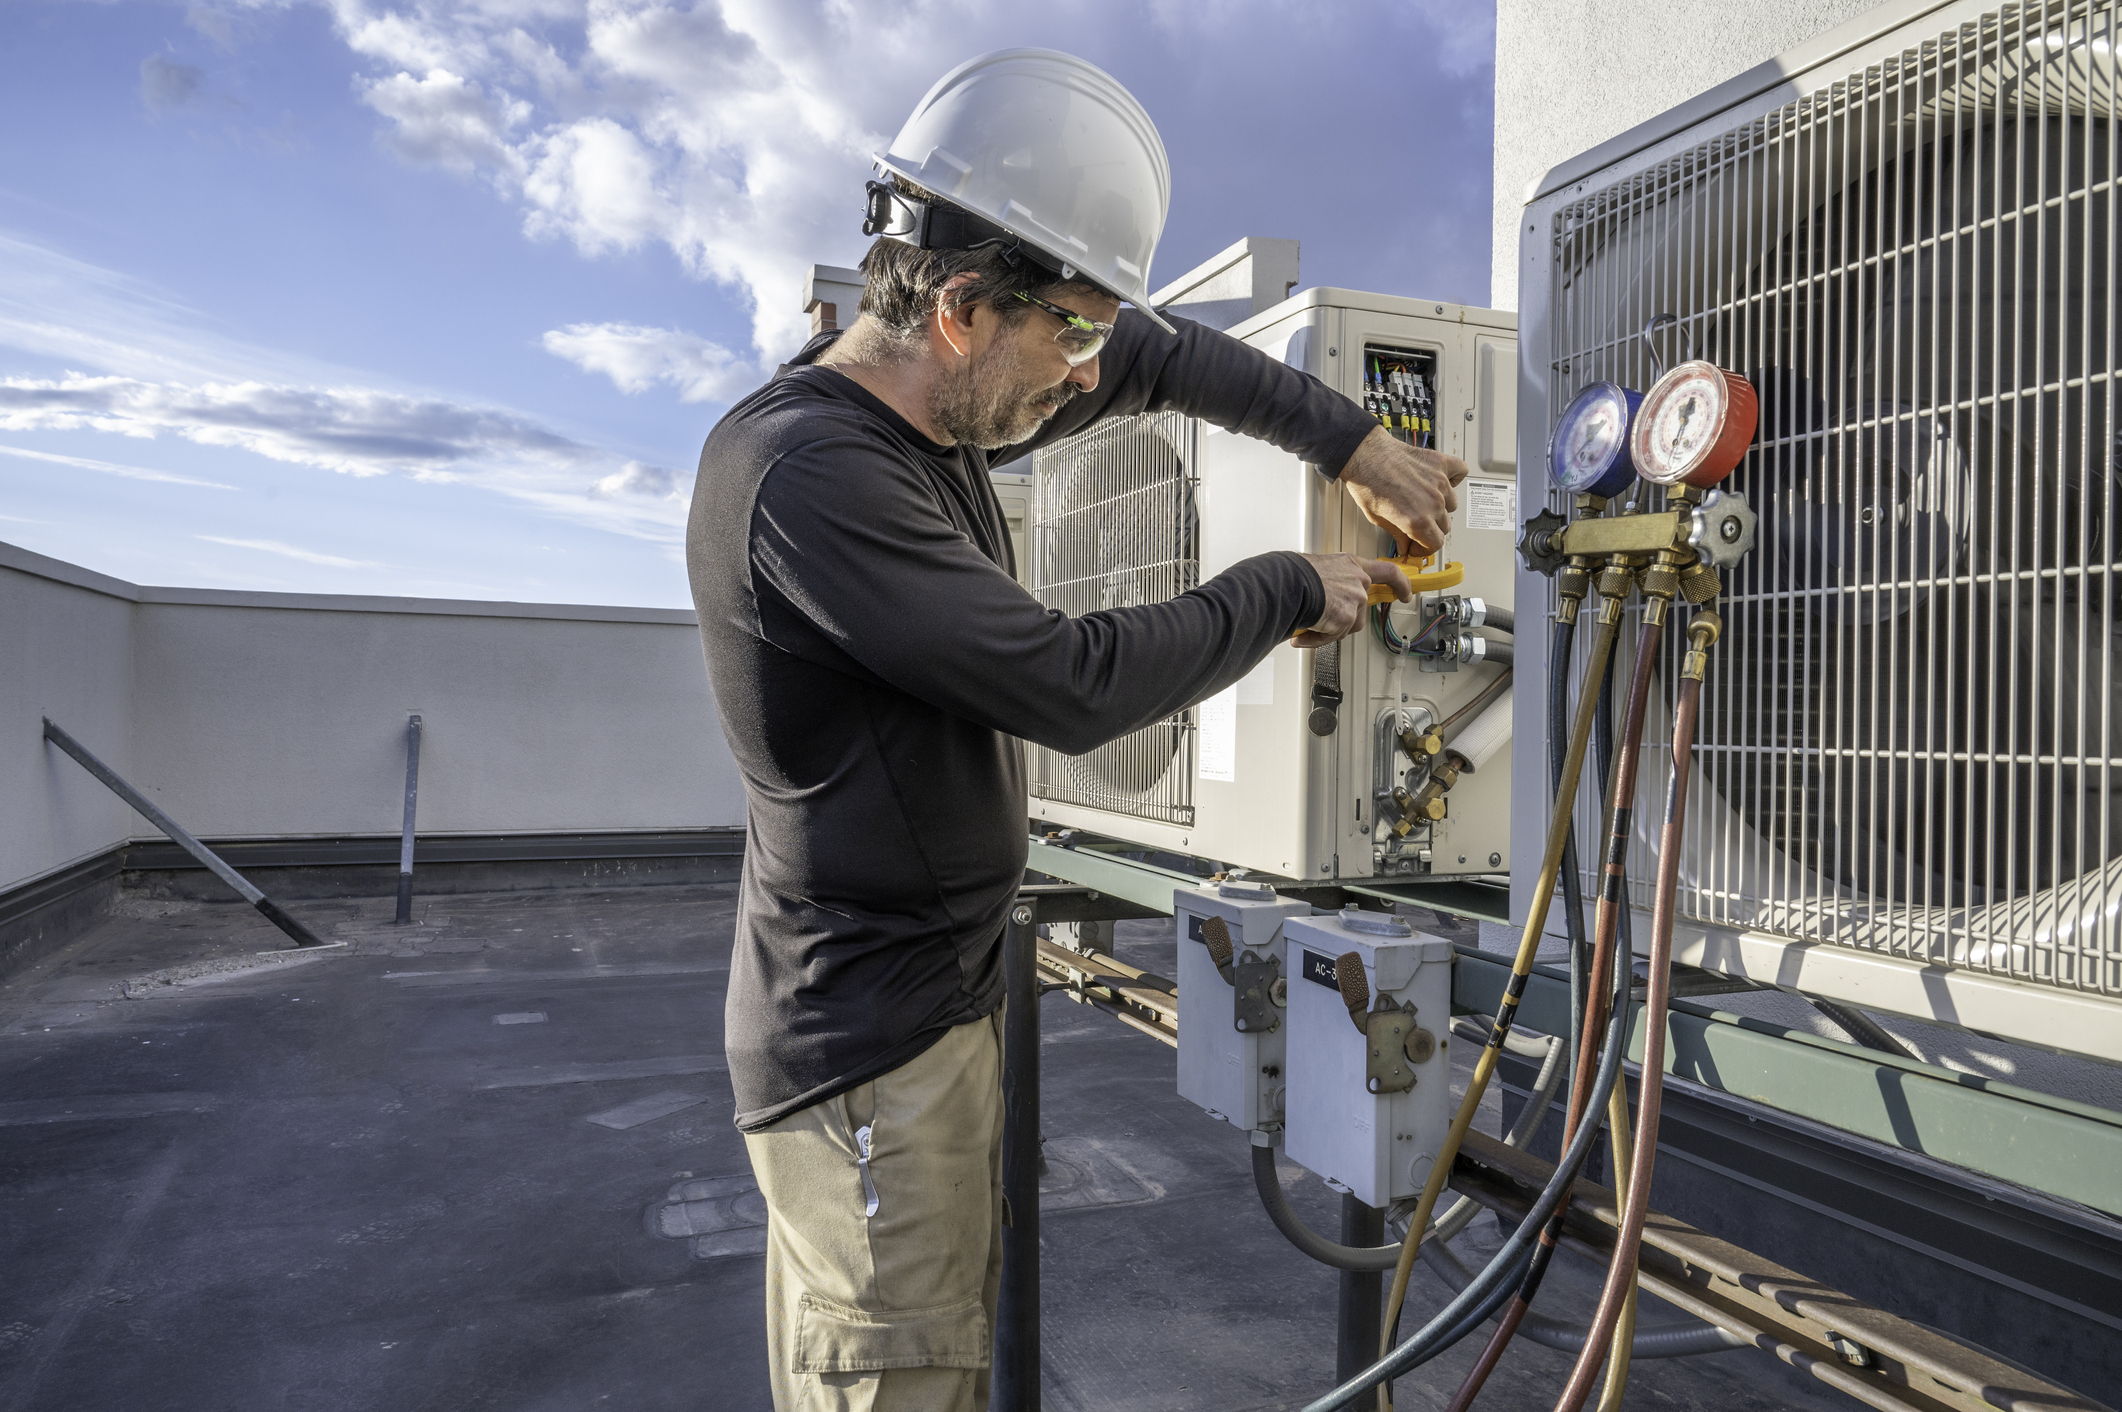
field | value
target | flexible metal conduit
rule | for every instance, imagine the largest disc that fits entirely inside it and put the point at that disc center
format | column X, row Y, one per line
column 1370, row 1259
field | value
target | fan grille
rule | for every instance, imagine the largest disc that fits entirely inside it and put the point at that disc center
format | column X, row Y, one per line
column 1911, row 740
column 1113, row 526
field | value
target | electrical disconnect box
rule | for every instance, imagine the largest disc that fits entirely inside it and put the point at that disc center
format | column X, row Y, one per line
column 1233, row 989
column 1369, row 1091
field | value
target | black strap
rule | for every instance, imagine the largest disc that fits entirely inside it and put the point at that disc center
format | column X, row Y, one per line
column 1326, row 690
column 938, row 225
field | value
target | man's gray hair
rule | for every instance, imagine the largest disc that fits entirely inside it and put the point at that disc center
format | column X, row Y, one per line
column 904, row 286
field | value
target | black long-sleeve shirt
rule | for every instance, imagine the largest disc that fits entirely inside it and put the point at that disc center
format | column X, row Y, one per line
column 876, row 666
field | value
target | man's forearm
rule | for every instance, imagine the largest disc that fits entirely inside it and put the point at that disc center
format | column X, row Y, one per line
column 1205, row 373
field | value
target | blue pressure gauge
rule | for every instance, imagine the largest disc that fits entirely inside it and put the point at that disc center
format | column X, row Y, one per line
column 1589, row 452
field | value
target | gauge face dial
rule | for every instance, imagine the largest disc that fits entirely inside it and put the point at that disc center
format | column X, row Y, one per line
column 1686, row 430
column 1589, row 452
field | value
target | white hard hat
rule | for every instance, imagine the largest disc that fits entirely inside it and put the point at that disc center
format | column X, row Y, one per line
column 1050, row 149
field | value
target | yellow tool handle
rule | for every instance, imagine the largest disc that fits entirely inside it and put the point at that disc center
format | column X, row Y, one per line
column 1422, row 581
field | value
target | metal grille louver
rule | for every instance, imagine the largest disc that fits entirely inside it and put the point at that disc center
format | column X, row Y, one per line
column 1912, row 735
column 1114, row 524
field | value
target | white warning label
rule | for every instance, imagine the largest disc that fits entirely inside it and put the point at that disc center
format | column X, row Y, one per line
column 1219, row 736
column 1491, row 504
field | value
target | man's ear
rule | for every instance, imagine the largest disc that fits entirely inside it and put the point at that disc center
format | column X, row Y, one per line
column 954, row 312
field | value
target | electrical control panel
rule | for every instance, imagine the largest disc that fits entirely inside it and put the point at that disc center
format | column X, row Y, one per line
column 1233, row 991
column 1368, row 1021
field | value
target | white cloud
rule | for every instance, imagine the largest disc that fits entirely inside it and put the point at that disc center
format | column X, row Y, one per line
column 634, row 478
column 448, row 120
column 738, row 132
column 637, row 358
column 363, row 432
column 111, row 468
column 734, row 133
column 164, row 370
column 291, row 551
column 357, row 431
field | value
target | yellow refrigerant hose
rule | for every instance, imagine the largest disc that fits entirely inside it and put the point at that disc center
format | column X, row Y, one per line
column 1521, row 969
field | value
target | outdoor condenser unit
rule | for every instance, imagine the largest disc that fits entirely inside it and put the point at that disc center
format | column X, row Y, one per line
column 1909, row 769
column 1276, row 774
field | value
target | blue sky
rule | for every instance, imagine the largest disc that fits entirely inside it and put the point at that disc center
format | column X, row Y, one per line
column 441, row 301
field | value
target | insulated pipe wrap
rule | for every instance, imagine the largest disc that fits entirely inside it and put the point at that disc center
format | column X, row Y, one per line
column 1489, row 732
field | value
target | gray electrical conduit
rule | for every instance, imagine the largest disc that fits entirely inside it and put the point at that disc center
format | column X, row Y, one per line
column 1364, row 1258
column 1680, row 1339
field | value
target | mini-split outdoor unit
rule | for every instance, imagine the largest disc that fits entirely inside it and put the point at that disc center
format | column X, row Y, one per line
column 1908, row 785
column 1293, row 771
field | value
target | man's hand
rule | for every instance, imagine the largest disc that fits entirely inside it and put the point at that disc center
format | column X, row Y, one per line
column 1348, row 580
column 1404, row 489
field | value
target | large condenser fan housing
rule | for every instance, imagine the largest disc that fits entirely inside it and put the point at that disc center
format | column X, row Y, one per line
column 1916, row 713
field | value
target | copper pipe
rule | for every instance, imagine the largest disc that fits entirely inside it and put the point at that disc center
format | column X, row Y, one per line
column 1622, row 1273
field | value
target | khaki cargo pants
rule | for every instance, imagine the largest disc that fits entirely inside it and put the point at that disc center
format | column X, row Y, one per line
column 891, row 1311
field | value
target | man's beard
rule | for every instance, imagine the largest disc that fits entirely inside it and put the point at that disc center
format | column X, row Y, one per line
column 990, row 404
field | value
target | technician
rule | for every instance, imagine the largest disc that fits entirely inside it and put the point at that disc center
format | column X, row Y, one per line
column 877, row 666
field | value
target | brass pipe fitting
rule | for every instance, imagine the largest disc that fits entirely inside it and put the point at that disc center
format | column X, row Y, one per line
column 1421, row 747
column 1703, row 630
column 1572, row 585
column 1618, row 578
column 1699, row 583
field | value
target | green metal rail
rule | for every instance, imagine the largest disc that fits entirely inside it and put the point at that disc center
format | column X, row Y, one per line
column 2049, row 1144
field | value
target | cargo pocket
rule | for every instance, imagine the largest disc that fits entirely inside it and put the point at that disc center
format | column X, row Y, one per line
column 832, row 1338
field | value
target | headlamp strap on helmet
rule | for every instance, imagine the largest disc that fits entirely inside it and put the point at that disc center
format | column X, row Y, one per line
column 941, row 226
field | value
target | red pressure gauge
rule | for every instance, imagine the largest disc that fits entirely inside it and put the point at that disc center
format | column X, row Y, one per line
column 1695, row 426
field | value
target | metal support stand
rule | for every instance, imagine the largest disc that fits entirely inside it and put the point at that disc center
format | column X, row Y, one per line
column 412, row 797
column 1016, row 1381
column 1361, row 1315
column 207, row 858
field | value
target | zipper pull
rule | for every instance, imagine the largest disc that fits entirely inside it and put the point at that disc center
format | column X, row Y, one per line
column 869, row 1188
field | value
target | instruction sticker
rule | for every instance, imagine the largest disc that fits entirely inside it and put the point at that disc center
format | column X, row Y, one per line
column 1491, row 504
column 1219, row 736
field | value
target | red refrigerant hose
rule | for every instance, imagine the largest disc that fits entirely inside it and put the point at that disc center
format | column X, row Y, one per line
column 1621, row 1275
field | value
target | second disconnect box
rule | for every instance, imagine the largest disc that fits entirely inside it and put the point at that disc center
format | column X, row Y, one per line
column 1369, row 1084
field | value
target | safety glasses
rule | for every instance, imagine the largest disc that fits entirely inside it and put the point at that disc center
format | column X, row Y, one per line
column 1080, row 338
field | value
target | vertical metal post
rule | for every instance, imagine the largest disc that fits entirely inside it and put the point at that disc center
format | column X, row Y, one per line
column 1361, row 1315
column 1016, row 1382
column 412, row 797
